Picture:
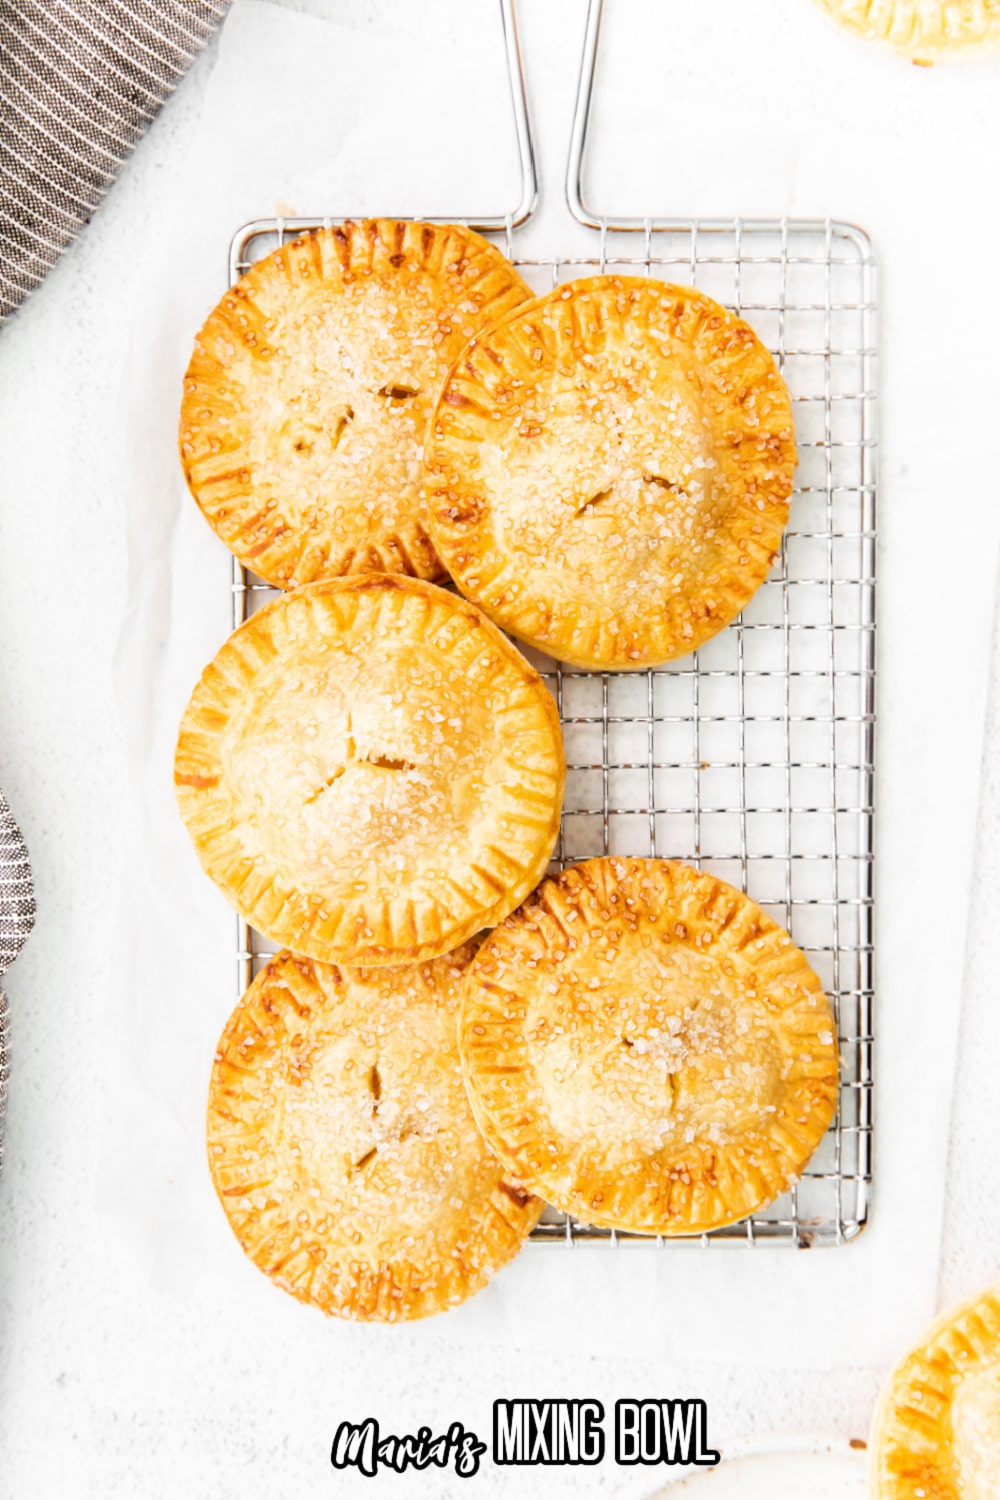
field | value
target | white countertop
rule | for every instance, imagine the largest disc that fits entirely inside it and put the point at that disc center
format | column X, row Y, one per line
column 111, row 1382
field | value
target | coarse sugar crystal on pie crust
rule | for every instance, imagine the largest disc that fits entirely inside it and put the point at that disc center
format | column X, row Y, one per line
column 370, row 771
column 342, row 1146
column 310, row 387
column 924, row 30
column 646, row 1049
column 936, row 1434
column 609, row 470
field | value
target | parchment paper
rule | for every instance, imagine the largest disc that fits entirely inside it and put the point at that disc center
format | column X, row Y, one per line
column 300, row 133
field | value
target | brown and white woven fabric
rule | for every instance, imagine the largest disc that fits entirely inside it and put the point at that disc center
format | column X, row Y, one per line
column 80, row 80
column 17, row 917
column 17, row 892
column 4, row 1063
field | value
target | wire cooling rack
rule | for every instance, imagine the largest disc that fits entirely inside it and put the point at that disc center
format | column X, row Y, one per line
column 754, row 757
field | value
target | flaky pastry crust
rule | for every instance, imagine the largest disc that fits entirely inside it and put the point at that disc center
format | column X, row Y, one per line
column 936, row 1434
column 646, row 1049
column 609, row 470
column 370, row 772
column 342, row 1145
column 922, row 29
column 310, row 387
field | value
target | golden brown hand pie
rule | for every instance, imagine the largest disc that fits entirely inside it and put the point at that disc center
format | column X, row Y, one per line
column 342, row 1145
column 370, row 771
column 310, row 387
column 922, row 29
column 646, row 1049
column 937, row 1429
column 609, row 470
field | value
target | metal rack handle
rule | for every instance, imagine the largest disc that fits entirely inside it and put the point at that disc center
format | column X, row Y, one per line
column 581, row 119
column 593, row 220
column 504, row 223
column 522, row 124
column 578, row 147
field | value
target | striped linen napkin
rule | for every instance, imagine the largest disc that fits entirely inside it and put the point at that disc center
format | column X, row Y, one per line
column 80, row 80
column 17, row 917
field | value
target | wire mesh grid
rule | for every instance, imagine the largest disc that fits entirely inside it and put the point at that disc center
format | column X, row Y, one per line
column 754, row 757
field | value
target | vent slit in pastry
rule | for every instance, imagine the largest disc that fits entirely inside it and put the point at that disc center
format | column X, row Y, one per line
column 326, row 785
column 399, row 392
column 594, row 500
column 665, row 484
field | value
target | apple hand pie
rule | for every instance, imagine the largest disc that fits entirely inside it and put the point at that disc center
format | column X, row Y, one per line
column 937, row 1429
column 310, row 388
column 609, row 470
column 342, row 1145
column 646, row 1049
column 922, row 29
column 370, row 772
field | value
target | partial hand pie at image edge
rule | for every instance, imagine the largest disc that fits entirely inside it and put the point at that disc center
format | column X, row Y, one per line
column 370, row 772
column 646, row 1049
column 609, row 471
column 922, row 31
column 936, row 1434
column 342, row 1146
column 310, row 387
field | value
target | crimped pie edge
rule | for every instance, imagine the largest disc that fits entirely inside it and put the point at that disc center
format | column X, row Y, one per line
column 914, row 31
column 215, row 423
column 460, row 514
column 928, row 1363
column 786, row 960
column 487, row 1233
column 207, row 809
